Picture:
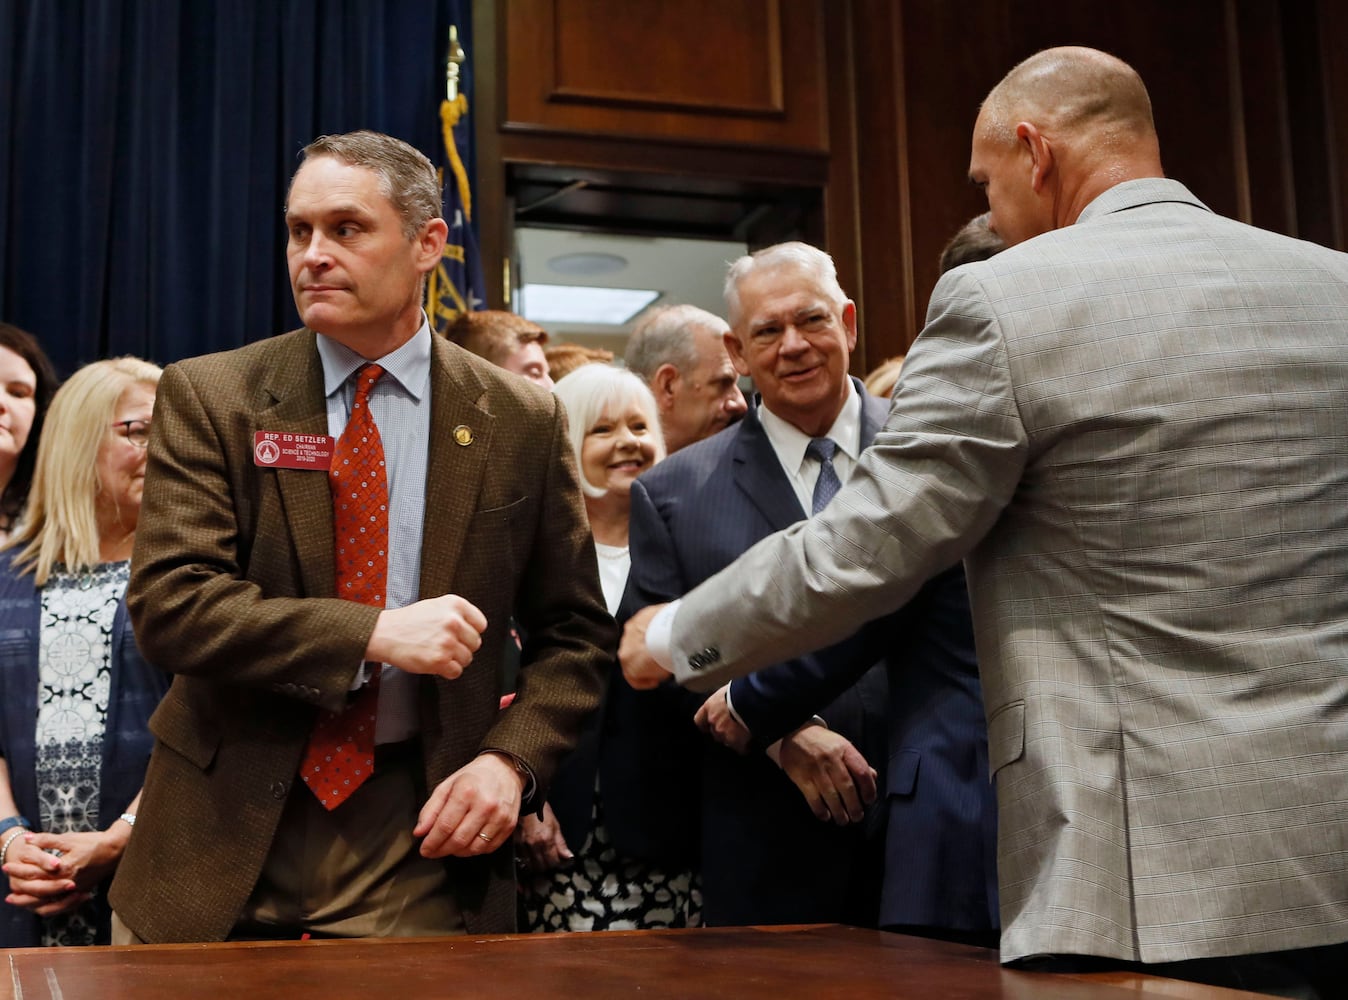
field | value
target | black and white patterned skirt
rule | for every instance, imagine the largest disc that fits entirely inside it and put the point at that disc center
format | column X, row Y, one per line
column 601, row 890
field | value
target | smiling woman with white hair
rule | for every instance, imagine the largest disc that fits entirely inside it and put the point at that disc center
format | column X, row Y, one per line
column 75, row 694
column 591, row 884
column 615, row 432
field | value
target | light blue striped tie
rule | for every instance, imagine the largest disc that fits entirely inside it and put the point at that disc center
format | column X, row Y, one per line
column 826, row 487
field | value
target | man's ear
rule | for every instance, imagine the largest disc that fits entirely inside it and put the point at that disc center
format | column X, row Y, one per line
column 430, row 243
column 849, row 321
column 732, row 347
column 1040, row 150
column 662, row 385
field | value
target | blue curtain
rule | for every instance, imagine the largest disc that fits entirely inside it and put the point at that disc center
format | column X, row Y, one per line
column 145, row 148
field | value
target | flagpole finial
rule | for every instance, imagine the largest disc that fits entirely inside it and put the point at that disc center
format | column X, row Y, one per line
column 453, row 61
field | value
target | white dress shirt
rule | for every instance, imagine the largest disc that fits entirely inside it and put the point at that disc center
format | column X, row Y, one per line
column 788, row 444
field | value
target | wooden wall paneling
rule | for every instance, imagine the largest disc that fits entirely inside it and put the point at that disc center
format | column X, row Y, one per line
column 670, row 56
column 952, row 55
column 894, row 88
column 1294, row 72
column 620, row 153
column 724, row 72
column 1269, row 197
column 628, row 164
column 1333, row 30
column 886, row 304
column 839, row 225
column 1306, row 98
column 492, row 212
column 1181, row 51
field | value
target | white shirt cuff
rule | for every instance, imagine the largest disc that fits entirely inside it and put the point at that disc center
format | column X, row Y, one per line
column 730, row 706
column 660, row 635
column 363, row 674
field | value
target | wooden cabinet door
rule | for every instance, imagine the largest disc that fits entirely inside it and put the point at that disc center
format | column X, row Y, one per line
column 721, row 72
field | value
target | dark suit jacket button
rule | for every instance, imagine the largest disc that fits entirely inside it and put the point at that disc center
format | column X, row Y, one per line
column 279, row 789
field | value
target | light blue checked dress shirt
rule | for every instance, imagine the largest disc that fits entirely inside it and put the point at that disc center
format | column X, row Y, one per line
column 400, row 403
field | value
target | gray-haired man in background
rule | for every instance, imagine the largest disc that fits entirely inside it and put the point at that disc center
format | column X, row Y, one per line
column 680, row 352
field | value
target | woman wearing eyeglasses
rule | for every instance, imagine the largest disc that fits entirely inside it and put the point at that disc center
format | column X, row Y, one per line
column 75, row 694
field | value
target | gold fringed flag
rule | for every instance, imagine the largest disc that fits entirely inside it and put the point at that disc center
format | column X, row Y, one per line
column 456, row 284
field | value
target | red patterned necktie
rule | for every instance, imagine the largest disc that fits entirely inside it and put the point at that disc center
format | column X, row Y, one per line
column 340, row 754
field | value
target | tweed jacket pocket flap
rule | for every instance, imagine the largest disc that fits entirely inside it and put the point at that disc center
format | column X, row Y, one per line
column 492, row 533
column 901, row 774
column 499, row 517
column 174, row 725
column 1006, row 736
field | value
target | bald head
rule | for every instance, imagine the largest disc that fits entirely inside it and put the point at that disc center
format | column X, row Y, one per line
column 1062, row 127
column 1072, row 90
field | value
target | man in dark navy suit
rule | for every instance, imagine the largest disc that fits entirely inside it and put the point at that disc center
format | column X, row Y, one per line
column 765, row 857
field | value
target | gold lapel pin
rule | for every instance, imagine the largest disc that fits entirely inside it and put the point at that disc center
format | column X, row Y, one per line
column 463, row 435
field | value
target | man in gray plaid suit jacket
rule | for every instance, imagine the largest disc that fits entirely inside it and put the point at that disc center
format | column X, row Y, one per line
column 1133, row 426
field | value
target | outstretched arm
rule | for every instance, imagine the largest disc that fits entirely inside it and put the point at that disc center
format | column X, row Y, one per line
column 934, row 482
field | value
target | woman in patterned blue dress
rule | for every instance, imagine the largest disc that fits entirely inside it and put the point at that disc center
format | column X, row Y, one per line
column 75, row 695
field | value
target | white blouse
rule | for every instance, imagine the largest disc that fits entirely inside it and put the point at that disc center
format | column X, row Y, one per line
column 614, row 563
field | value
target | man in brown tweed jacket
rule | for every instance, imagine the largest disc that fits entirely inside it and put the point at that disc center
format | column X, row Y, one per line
column 233, row 591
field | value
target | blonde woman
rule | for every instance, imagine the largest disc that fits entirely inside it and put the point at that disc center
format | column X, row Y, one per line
column 615, row 432
column 75, row 694
column 574, row 875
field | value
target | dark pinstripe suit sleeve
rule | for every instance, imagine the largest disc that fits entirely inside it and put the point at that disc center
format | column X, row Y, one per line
column 775, row 700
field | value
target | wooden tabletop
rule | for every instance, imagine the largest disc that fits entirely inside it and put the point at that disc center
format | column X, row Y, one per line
column 744, row 963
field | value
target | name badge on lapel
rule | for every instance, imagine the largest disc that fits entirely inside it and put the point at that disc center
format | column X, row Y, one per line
column 282, row 450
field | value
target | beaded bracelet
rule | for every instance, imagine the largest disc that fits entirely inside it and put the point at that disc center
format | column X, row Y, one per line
column 4, row 848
